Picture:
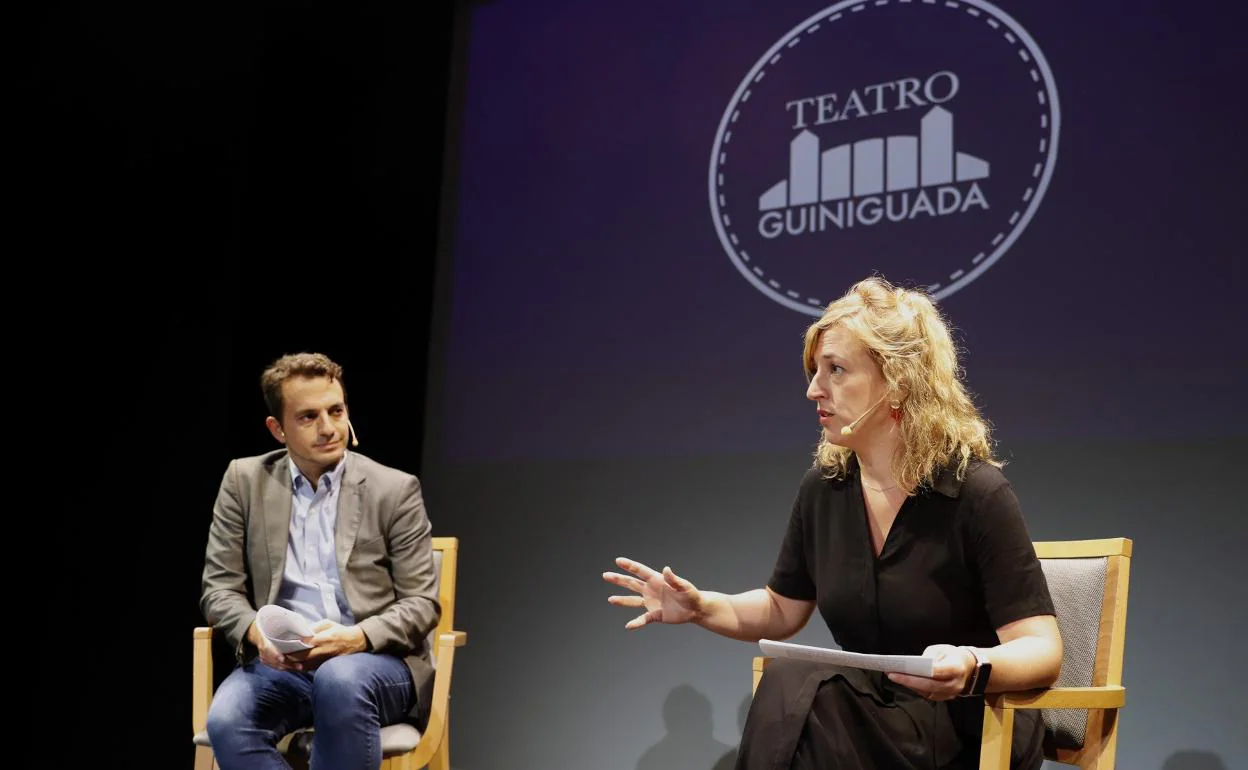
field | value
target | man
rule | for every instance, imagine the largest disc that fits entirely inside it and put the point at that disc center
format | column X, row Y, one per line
column 344, row 542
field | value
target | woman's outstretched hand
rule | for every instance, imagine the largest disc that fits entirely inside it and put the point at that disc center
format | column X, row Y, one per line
column 663, row 596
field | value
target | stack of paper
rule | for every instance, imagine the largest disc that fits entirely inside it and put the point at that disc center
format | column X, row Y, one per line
column 901, row 664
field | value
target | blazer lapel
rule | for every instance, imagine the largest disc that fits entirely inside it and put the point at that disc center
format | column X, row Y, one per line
column 350, row 508
column 277, row 503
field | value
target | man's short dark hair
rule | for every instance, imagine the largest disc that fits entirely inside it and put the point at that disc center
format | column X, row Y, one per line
column 295, row 365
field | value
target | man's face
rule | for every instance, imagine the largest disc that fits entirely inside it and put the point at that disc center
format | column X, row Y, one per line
column 314, row 422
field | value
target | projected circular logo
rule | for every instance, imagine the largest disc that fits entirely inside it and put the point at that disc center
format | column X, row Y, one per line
column 909, row 138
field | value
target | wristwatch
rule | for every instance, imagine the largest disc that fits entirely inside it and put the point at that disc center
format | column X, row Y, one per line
column 977, row 682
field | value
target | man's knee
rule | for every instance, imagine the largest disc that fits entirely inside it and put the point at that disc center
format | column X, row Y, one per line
column 226, row 716
column 341, row 681
column 358, row 686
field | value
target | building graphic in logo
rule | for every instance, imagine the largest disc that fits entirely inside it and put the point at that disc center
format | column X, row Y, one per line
column 924, row 165
column 867, row 169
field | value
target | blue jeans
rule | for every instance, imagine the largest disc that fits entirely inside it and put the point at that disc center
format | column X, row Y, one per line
column 346, row 700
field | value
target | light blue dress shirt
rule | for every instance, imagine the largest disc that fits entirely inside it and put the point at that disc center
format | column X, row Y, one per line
column 310, row 581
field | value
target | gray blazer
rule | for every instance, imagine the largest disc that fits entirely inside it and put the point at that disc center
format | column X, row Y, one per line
column 385, row 557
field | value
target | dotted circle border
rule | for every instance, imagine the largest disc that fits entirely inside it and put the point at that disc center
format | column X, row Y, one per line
column 1018, row 219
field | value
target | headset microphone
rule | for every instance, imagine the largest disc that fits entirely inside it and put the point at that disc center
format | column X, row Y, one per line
column 848, row 430
column 354, row 441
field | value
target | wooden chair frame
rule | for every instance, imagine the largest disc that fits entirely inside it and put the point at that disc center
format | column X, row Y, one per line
column 433, row 749
column 1102, row 699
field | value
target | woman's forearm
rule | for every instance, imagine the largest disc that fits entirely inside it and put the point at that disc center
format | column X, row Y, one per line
column 751, row 615
column 1025, row 663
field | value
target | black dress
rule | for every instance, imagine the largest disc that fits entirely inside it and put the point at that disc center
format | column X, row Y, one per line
column 957, row 564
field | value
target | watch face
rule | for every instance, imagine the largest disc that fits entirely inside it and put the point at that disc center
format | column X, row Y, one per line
column 981, row 678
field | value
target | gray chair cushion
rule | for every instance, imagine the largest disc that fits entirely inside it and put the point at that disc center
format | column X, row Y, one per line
column 433, row 634
column 1078, row 588
column 395, row 739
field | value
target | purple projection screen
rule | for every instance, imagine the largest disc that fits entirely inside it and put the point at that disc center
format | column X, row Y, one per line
column 654, row 200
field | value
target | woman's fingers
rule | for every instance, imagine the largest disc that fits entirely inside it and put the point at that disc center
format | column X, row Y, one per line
column 678, row 583
column 642, row 619
column 932, row 689
column 636, row 567
column 623, row 581
column 627, row 601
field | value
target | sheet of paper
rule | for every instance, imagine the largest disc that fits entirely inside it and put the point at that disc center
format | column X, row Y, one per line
column 283, row 628
column 902, row 664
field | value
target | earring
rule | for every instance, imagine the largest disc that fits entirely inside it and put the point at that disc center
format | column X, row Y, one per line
column 895, row 406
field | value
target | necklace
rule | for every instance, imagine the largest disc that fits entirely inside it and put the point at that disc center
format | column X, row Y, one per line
column 876, row 489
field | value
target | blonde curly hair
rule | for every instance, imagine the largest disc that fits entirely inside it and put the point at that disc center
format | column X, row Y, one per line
column 909, row 339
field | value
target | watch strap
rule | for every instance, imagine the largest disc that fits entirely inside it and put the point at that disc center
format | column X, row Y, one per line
column 977, row 682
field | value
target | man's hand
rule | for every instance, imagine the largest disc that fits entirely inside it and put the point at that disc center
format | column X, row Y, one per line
column 269, row 655
column 949, row 673
column 328, row 639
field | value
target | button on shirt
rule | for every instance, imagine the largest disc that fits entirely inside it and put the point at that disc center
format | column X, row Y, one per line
column 310, row 581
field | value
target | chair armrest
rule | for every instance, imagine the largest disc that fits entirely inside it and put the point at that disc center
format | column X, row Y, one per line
column 201, row 681
column 435, row 731
column 1106, row 697
column 999, row 711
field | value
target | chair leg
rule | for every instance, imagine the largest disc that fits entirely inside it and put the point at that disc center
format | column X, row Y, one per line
column 401, row 762
column 441, row 759
column 994, row 751
column 204, row 759
column 1108, row 748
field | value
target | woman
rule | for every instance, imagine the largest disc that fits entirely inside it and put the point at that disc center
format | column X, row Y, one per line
column 909, row 540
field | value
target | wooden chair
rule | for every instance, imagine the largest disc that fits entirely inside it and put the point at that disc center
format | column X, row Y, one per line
column 1088, row 580
column 403, row 746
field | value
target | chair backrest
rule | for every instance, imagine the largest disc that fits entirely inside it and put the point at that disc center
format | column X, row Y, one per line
column 1088, row 581
column 445, row 562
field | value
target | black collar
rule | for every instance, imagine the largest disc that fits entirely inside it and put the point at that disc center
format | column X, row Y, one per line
column 945, row 480
column 947, row 483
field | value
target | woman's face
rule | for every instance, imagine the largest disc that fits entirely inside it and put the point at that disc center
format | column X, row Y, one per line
column 847, row 383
